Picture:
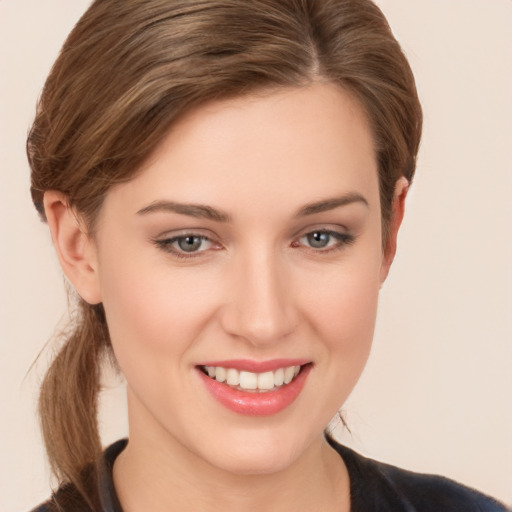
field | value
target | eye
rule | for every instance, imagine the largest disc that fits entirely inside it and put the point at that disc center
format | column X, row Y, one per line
column 186, row 245
column 324, row 240
column 318, row 239
column 190, row 243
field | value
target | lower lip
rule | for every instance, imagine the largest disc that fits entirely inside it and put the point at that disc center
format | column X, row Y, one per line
column 256, row 404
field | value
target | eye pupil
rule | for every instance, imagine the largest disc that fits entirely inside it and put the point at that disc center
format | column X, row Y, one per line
column 318, row 239
column 189, row 243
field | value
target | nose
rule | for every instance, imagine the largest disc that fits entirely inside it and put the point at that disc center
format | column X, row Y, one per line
column 260, row 307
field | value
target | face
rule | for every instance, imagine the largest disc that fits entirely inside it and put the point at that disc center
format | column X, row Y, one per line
column 246, row 253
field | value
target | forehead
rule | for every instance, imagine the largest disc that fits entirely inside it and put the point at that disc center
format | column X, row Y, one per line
column 285, row 147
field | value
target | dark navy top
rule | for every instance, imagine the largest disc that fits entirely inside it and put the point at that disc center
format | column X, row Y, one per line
column 374, row 487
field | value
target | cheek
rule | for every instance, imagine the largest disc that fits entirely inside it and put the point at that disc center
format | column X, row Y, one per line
column 343, row 305
column 342, row 313
column 345, row 320
column 151, row 308
column 154, row 318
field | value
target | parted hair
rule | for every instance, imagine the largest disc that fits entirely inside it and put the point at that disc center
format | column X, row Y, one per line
column 128, row 71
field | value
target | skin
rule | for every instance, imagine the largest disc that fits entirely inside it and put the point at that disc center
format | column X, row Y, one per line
column 255, row 289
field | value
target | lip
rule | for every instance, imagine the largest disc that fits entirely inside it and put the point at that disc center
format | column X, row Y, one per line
column 256, row 404
column 256, row 366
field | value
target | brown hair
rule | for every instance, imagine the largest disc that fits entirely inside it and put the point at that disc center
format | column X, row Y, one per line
column 128, row 70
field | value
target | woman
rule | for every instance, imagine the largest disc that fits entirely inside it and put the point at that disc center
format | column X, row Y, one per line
column 224, row 183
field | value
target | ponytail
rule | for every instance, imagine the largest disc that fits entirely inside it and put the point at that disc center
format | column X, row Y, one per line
column 68, row 400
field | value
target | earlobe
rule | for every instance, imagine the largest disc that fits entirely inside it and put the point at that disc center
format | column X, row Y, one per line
column 397, row 215
column 75, row 248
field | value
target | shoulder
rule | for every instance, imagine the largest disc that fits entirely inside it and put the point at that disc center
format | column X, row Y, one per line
column 66, row 499
column 98, row 488
column 432, row 493
column 376, row 486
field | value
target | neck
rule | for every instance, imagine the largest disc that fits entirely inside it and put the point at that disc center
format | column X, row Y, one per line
column 155, row 471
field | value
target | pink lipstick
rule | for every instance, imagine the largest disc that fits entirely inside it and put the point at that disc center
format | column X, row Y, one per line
column 255, row 388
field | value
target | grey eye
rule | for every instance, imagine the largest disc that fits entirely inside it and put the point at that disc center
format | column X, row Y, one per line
column 189, row 243
column 318, row 239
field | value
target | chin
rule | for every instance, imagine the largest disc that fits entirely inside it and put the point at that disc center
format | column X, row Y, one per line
column 254, row 463
column 258, row 454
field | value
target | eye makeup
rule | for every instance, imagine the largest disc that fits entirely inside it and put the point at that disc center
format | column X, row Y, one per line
column 195, row 244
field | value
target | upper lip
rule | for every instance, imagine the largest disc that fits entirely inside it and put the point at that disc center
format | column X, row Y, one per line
column 249, row 365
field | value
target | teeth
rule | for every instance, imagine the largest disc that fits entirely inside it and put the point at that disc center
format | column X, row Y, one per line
column 279, row 377
column 249, row 381
column 220, row 373
column 288, row 374
column 232, row 376
column 266, row 380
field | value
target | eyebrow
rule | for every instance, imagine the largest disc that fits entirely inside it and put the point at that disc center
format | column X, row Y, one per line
column 193, row 210
column 331, row 203
column 207, row 212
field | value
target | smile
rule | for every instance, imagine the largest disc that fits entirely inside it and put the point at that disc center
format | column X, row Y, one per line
column 255, row 389
column 250, row 381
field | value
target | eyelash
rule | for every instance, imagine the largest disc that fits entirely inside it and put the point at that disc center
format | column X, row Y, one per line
column 342, row 240
column 167, row 244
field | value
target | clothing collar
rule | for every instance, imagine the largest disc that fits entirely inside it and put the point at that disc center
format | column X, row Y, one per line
column 370, row 488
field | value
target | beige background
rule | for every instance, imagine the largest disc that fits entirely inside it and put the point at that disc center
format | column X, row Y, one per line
column 437, row 393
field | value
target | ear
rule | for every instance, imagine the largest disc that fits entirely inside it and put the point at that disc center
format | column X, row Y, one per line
column 75, row 248
column 397, row 215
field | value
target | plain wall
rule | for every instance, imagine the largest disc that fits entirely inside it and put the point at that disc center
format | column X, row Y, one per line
column 436, row 395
